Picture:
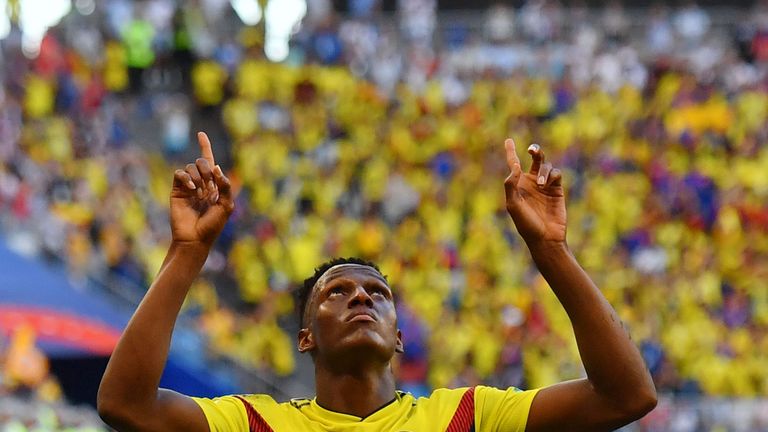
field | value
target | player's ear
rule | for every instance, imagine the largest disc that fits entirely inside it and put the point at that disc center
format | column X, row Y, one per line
column 306, row 341
column 399, row 348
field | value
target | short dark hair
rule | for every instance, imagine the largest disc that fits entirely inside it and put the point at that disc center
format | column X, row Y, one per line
column 301, row 295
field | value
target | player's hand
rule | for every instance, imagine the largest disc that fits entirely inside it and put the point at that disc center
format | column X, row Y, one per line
column 201, row 198
column 535, row 199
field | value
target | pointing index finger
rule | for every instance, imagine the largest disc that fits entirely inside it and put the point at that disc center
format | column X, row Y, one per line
column 205, row 147
column 512, row 159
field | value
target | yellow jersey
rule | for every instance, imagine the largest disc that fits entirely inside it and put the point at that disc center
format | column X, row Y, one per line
column 473, row 409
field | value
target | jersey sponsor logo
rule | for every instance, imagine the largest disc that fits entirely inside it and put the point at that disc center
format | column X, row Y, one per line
column 300, row 403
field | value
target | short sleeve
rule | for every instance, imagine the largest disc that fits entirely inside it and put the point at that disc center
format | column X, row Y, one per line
column 224, row 414
column 502, row 410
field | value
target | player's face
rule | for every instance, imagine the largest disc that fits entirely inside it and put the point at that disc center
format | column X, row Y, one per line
column 352, row 310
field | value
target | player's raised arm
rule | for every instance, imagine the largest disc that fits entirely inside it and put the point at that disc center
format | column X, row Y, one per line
column 618, row 388
column 129, row 398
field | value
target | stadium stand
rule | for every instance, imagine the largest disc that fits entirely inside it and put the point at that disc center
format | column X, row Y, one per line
column 378, row 136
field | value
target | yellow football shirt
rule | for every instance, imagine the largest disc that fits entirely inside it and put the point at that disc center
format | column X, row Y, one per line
column 476, row 409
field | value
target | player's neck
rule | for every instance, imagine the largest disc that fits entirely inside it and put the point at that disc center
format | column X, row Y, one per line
column 359, row 393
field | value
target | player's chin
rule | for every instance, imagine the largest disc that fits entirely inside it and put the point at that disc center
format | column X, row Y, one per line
column 366, row 342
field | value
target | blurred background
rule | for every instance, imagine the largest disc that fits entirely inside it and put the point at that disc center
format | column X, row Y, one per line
column 375, row 129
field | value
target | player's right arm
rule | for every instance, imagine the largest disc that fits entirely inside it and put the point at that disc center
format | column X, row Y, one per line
column 129, row 398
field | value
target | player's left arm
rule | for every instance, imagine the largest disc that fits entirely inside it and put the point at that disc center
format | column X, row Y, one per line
column 618, row 388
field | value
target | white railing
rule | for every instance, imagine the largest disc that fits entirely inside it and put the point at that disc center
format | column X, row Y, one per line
column 697, row 414
column 24, row 414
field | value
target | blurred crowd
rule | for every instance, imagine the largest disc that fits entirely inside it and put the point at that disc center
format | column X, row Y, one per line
column 381, row 137
column 30, row 397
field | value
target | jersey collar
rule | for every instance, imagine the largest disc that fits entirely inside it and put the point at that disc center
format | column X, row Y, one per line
column 338, row 417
